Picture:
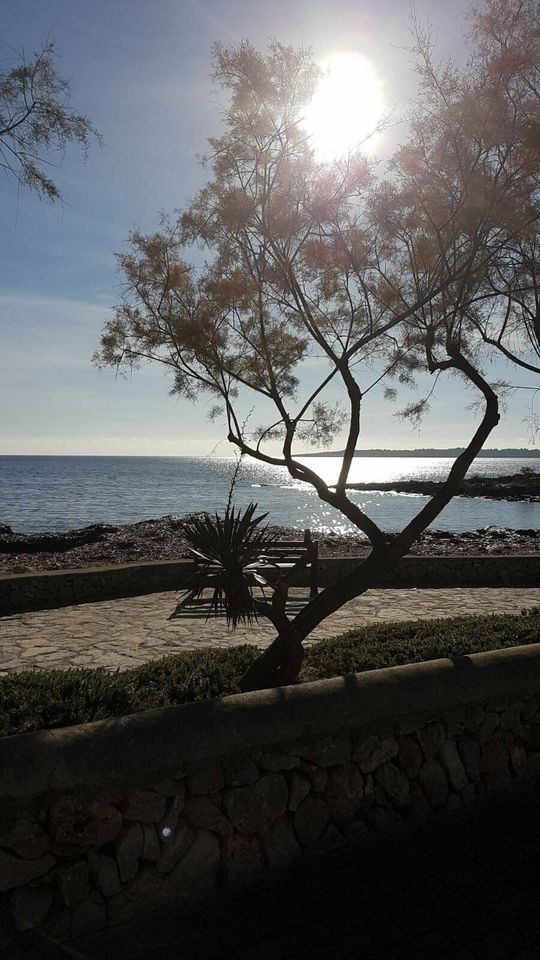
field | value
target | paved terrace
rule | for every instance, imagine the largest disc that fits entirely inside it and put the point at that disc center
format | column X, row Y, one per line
column 126, row 632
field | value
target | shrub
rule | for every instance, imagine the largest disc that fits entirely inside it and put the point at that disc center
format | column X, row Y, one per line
column 56, row 698
column 392, row 644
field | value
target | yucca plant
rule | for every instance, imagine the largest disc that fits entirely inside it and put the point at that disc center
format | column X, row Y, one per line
column 228, row 544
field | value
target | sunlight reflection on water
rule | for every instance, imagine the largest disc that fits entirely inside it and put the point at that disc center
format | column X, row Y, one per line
column 58, row 493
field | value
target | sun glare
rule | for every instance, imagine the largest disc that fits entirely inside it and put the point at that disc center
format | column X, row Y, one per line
column 346, row 107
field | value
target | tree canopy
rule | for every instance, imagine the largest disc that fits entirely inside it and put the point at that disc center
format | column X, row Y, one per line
column 424, row 264
column 37, row 121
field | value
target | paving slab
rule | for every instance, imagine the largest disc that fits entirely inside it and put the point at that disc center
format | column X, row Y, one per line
column 132, row 630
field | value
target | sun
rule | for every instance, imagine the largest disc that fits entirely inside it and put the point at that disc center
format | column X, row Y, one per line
column 346, row 107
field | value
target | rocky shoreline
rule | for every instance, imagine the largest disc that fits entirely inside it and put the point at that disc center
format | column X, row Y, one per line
column 163, row 539
column 518, row 486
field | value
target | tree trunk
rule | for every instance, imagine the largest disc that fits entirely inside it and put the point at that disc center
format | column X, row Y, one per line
column 278, row 665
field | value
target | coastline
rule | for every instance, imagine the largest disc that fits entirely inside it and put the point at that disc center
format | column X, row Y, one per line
column 517, row 486
column 162, row 539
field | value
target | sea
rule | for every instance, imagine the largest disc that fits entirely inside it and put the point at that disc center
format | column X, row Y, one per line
column 50, row 493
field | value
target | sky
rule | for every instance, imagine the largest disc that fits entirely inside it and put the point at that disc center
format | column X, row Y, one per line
column 141, row 71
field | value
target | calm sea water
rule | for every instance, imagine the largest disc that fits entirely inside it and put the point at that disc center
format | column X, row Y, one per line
column 59, row 493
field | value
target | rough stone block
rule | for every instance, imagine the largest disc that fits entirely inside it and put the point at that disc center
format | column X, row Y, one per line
column 277, row 761
column 32, row 849
column 252, row 809
column 317, row 776
column 495, row 754
column 373, row 751
column 128, row 850
column 15, row 872
column 433, row 781
column 431, row 737
column 197, row 871
column 325, row 752
column 344, row 792
column 151, row 848
column 78, row 824
column 518, row 760
column 469, row 750
column 201, row 812
column 208, row 780
column 454, row 729
column 26, row 837
column 280, row 844
column 147, row 806
column 311, row 819
column 145, row 892
column 175, row 847
column 409, row 756
column 299, row 788
column 450, row 759
column 394, row 783
column 369, row 794
column 490, row 723
column 104, row 873
column 166, row 827
column 73, row 882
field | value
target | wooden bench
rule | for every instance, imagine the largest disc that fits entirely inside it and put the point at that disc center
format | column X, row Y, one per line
column 285, row 554
column 281, row 556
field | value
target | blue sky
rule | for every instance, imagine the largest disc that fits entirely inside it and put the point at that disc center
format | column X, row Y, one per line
column 141, row 71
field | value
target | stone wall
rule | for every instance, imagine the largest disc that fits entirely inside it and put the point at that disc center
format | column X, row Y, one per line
column 100, row 821
column 56, row 588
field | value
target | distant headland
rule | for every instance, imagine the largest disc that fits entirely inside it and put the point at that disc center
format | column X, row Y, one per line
column 522, row 453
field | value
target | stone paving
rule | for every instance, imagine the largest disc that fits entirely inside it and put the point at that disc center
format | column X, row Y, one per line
column 126, row 632
column 459, row 886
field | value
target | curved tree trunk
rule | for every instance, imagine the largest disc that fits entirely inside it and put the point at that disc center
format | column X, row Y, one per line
column 278, row 665
column 275, row 666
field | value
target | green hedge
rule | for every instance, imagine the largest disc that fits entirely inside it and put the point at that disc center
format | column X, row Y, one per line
column 55, row 698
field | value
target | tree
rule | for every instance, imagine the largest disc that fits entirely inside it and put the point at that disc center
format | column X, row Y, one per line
column 378, row 274
column 35, row 116
column 504, row 82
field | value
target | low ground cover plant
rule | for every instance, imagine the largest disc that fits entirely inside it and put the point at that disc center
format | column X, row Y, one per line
column 34, row 700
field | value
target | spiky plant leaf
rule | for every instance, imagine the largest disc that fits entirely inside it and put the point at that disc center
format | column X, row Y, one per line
column 233, row 541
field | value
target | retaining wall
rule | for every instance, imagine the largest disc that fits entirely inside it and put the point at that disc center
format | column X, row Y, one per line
column 101, row 821
column 57, row 588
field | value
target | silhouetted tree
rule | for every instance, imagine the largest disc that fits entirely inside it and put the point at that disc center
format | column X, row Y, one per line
column 380, row 275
